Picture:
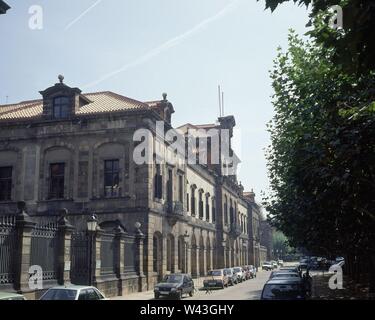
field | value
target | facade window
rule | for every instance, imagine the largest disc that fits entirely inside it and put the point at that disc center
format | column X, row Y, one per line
column 170, row 186
column 180, row 188
column 192, row 202
column 57, row 181
column 231, row 213
column 6, row 183
column 213, row 211
column 61, row 106
column 226, row 210
column 207, row 207
column 111, row 178
column 187, row 203
column 201, row 213
column 158, row 183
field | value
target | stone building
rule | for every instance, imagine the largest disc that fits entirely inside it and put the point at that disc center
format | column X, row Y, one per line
column 75, row 151
column 3, row 7
column 266, row 234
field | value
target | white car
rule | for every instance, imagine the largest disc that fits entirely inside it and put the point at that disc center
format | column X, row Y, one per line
column 238, row 271
column 73, row 292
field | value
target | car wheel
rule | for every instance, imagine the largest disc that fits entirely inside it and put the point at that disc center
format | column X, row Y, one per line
column 191, row 293
column 178, row 295
column 222, row 286
column 157, row 295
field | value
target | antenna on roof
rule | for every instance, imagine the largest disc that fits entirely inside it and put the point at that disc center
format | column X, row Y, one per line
column 219, row 91
column 6, row 99
column 222, row 102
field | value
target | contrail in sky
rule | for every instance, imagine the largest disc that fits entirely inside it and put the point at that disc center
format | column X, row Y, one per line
column 168, row 44
column 70, row 24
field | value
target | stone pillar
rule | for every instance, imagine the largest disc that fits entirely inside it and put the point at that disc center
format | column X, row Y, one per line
column 197, row 260
column 24, row 226
column 204, row 262
column 96, row 257
column 120, row 254
column 65, row 239
column 142, row 285
column 187, row 258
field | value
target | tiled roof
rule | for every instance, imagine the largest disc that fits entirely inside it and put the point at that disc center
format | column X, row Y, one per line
column 101, row 102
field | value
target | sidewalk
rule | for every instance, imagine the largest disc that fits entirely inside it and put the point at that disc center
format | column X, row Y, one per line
column 350, row 291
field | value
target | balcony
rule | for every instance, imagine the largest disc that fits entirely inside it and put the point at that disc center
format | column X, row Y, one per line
column 175, row 212
column 235, row 230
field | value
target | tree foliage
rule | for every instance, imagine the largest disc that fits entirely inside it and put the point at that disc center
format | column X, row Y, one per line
column 354, row 46
column 322, row 156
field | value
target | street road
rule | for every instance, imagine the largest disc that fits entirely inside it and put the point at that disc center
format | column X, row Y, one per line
column 247, row 290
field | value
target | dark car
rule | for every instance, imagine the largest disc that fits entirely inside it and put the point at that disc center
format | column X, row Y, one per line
column 232, row 278
column 175, row 286
column 285, row 275
column 284, row 289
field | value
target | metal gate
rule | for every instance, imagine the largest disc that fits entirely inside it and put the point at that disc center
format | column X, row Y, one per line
column 44, row 244
column 8, row 249
column 80, row 260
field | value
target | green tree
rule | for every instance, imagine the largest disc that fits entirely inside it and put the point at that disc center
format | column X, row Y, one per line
column 354, row 46
column 322, row 156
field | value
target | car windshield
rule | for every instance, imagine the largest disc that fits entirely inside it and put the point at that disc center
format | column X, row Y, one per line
column 172, row 279
column 282, row 291
column 237, row 269
column 60, row 294
column 228, row 271
column 214, row 273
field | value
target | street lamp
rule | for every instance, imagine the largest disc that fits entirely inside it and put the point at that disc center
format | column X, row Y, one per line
column 92, row 225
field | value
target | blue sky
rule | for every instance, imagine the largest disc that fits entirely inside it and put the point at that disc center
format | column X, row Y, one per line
column 184, row 48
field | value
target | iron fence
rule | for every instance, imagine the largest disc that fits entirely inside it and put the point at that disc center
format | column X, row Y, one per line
column 44, row 245
column 80, row 260
column 8, row 245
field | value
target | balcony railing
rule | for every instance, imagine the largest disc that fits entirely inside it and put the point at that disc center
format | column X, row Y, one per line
column 175, row 207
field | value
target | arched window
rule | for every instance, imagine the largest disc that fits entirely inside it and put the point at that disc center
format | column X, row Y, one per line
column 61, row 106
column 201, row 213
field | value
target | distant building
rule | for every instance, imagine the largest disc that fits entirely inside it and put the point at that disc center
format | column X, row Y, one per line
column 266, row 232
column 3, row 7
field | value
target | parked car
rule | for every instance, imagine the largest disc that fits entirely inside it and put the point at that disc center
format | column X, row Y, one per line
column 73, row 292
column 11, row 296
column 240, row 273
column 217, row 278
column 175, row 285
column 253, row 271
column 284, row 289
column 232, row 278
column 280, row 262
column 274, row 264
column 246, row 271
column 267, row 266
column 283, row 274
